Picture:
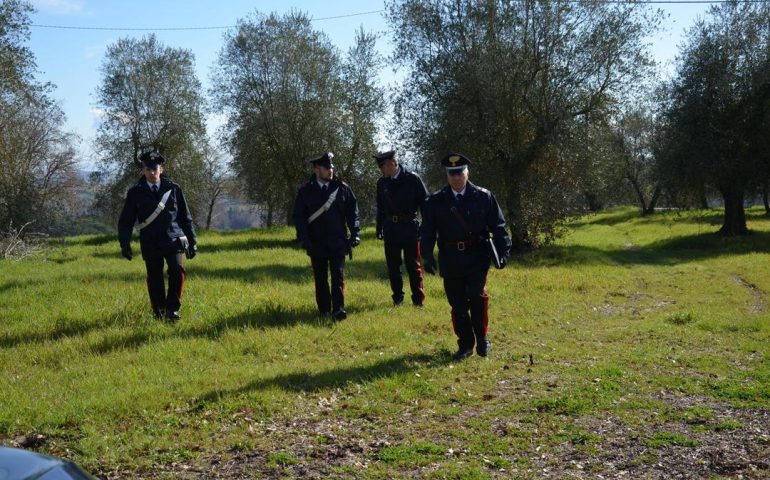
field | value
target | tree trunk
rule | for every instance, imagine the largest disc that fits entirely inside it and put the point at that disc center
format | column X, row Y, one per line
column 639, row 194
column 592, row 199
column 735, row 216
column 765, row 192
column 517, row 223
column 269, row 218
column 210, row 213
column 650, row 209
column 290, row 213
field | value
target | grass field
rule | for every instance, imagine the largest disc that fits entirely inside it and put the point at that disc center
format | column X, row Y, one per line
column 635, row 347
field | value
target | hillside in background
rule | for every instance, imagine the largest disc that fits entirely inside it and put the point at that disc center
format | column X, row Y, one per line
column 634, row 347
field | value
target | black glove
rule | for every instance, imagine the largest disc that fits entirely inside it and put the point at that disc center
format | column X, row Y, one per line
column 126, row 252
column 380, row 236
column 429, row 265
column 354, row 242
column 503, row 262
column 192, row 250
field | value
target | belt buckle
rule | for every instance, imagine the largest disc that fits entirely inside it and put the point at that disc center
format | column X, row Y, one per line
column 394, row 219
column 460, row 246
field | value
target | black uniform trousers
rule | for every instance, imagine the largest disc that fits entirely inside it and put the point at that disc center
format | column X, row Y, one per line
column 329, row 300
column 160, row 299
column 411, row 256
column 467, row 295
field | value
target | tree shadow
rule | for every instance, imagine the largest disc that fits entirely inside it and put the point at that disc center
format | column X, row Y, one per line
column 262, row 317
column 256, row 273
column 354, row 269
column 64, row 327
column 606, row 218
column 251, row 244
column 313, row 382
column 98, row 240
column 713, row 217
column 115, row 254
column 17, row 284
column 672, row 251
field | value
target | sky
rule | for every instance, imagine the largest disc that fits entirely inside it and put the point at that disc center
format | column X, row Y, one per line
column 71, row 58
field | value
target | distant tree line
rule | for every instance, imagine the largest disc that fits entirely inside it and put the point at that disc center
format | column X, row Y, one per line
column 556, row 102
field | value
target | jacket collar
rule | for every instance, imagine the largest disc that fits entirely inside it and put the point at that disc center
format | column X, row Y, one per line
column 470, row 189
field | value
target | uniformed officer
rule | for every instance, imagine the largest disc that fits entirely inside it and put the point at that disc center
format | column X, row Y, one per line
column 461, row 217
column 165, row 233
column 400, row 194
column 324, row 211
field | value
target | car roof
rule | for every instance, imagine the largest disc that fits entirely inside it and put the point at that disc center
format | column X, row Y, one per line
column 18, row 464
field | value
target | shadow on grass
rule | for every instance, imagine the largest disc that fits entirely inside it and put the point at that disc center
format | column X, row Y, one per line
column 250, row 244
column 711, row 217
column 64, row 327
column 607, row 218
column 17, row 284
column 255, row 273
column 664, row 252
column 99, row 240
column 354, row 270
column 262, row 317
column 311, row 382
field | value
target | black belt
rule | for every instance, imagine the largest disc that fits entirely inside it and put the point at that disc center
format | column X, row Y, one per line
column 400, row 218
column 459, row 245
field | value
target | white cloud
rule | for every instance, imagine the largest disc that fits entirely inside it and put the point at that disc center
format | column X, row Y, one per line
column 60, row 7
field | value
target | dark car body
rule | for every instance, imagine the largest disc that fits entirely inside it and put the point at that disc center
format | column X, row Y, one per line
column 17, row 464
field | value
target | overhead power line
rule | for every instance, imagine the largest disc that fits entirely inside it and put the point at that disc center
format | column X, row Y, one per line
column 158, row 29
column 224, row 27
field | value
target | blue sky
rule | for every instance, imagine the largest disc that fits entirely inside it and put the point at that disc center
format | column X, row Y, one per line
column 71, row 58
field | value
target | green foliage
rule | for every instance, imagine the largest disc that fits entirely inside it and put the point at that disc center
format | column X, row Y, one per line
column 716, row 114
column 37, row 158
column 490, row 79
column 151, row 99
column 289, row 97
column 17, row 63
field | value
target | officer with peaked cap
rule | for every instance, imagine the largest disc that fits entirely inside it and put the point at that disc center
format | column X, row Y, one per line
column 166, row 233
column 460, row 218
column 324, row 211
column 400, row 194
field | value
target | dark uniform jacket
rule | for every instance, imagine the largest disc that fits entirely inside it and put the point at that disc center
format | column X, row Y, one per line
column 397, row 203
column 461, row 248
column 327, row 235
column 173, row 222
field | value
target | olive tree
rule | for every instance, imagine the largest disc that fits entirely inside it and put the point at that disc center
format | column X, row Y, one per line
column 150, row 98
column 717, row 115
column 510, row 84
column 288, row 96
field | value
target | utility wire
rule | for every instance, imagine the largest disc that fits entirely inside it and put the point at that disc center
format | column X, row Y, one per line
column 223, row 27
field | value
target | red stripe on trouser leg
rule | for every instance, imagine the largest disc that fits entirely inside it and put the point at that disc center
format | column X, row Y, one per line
column 418, row 259
column 485, row 318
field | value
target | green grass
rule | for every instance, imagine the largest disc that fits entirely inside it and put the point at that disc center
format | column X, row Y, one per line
column 624, row 307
